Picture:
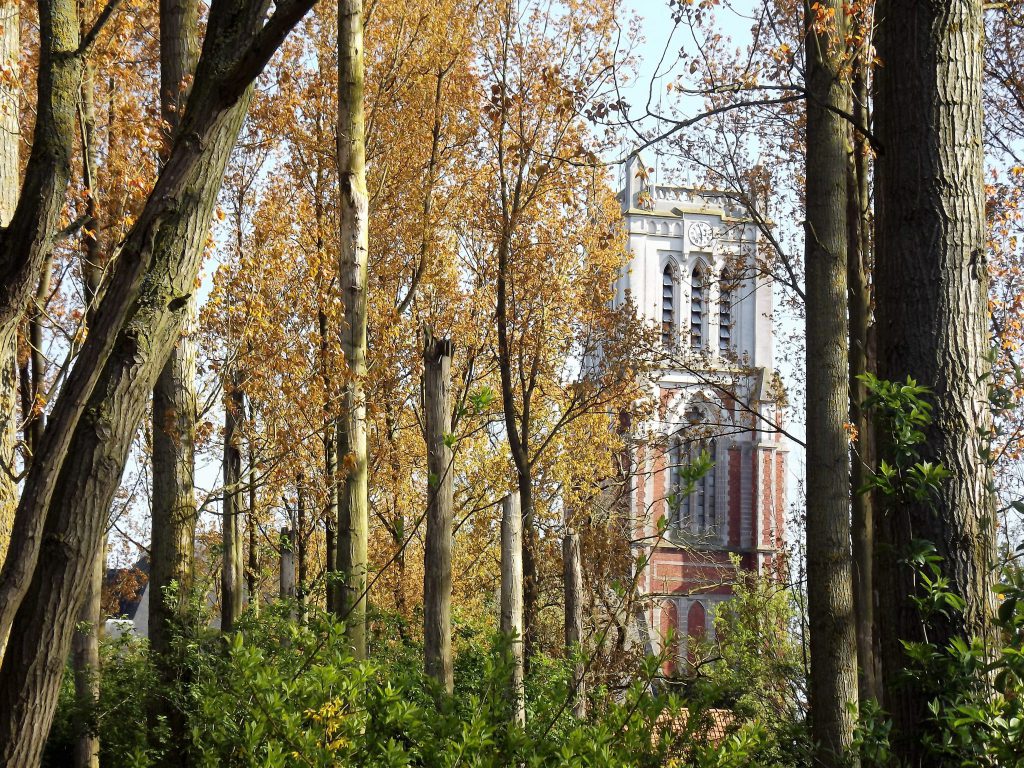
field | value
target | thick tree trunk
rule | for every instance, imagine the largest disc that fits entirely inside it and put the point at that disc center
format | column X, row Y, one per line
column 232, row 573
column 10, row 49
column 572, row 580
column 174, row 518
column 833, row 683
column 512, row 599
column 931, row 284
column 62, row 513
column 437, row 567
column 863, row 460
column 353, row 513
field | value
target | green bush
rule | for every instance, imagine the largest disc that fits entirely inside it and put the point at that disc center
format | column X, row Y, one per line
column 279, row 693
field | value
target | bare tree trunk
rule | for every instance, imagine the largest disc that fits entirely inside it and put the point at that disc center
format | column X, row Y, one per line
column 572, row 579
column 30, row 231
column 232, row 572
column 437, row 570
column 85, row 650
column 300, row 543
column 863, row 460
column 85, row 660
column 174, row 517
column 10, row 49
column 330, row 465
column 512, row 598
column 353, row 519
column 287, row 564
column 932, row 302
column 833, row 641
column 331, row 556
column 252, row 570
column 517, row 429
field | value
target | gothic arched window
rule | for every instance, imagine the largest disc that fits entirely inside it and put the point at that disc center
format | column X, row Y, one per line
column 724, row 316
column 668, row 305
column 697, row 299
column 696, row 504
column 704, row 494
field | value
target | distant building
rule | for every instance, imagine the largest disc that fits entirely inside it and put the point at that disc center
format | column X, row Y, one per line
column 692, row 273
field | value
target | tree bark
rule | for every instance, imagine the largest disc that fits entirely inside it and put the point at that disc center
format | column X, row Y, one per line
column 517, row 429
column 437, row 570
column 174, row 516
column 512, row 599
column 30, row 232
column 85, row 648
column 300, row 543
column 232, row 569
column 67, row 493
column 332, row 595
column 353, row 519
column 572, row 579
column 10, row 49
column 85, row 660
column 287, row 564
column 863, row 459
column 833, row 644
column 931, row 284
column 252, row 569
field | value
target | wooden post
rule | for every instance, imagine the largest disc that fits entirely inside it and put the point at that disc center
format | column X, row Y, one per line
column 437, row 571
column 287, row 565
column 573, row 585
column 512, row 596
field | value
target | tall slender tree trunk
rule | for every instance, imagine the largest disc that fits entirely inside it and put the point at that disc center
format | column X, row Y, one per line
column 353, row 205
column 572, row 580
column 517, row 428
column 863, row 460
column 330, row 462
column 287, row 566
column 85, row 660
column 85, row 648
column 252, row 568
column 10, row 173
column 512, row 599
column 833, row 683
column 175, row 515
column 931, row 283
column 300, row 542
column 437, row 570
column 232, row 572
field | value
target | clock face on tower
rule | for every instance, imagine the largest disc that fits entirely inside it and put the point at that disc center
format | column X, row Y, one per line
column 700, row 234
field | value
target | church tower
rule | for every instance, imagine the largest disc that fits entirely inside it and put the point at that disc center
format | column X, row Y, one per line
column 692, row 274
